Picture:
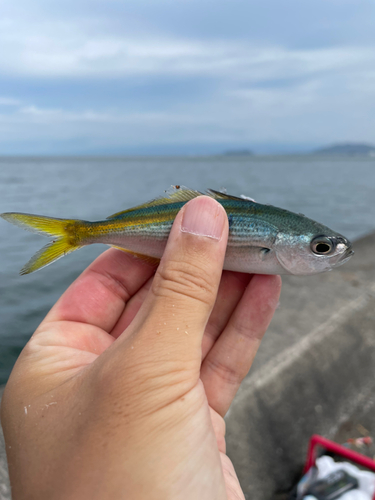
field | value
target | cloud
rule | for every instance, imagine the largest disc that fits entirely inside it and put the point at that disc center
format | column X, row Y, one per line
column 178, row 84
column 54, row 50
column 50, row 47
column 248, row 115
column 8, row 101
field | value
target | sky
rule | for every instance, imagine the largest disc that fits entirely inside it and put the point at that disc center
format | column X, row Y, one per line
column 185, row 76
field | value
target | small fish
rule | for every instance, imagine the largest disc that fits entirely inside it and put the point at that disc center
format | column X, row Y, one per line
column 262, row 239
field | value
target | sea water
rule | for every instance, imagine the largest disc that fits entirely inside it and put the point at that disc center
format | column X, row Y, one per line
column 338, row 192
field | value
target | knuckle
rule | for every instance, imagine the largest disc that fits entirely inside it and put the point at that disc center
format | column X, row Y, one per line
column 248, row 332
column 230, row 375
column 213, row 328
column 112, row 283
column 186, row 279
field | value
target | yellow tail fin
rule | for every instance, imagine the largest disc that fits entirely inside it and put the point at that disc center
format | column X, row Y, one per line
column 64, row 232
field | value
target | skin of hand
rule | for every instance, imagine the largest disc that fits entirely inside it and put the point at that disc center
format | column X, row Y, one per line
column 121, row 391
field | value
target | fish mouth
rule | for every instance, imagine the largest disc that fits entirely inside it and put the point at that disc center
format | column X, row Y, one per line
column 349, row 252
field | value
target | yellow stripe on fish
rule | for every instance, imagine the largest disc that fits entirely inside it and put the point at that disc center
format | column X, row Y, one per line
column 262, row 239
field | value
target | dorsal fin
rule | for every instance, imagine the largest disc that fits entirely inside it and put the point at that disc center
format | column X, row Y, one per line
column 173, row 195
column 218, row 195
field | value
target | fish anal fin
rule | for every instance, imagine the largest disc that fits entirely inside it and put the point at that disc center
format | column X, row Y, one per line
column 174, row 195
column 153, row 261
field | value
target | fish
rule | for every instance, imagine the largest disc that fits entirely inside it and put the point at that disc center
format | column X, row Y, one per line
column 263, row 239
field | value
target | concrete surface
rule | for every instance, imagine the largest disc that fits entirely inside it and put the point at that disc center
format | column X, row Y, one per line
column 315, row 370
column 314, row 373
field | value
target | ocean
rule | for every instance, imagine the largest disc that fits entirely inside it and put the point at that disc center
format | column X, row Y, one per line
column 338, row 192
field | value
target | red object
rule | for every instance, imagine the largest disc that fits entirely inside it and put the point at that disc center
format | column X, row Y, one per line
column 328, row 445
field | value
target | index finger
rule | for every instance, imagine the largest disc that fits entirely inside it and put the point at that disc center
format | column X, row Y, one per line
column 99, row 295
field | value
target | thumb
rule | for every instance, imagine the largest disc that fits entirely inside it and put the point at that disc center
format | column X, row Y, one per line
column 185, row 285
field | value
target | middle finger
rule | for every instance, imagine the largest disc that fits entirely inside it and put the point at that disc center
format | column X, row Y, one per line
column 232, row 287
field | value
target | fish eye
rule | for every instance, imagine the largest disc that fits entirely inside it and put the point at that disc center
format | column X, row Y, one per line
column 321, row 245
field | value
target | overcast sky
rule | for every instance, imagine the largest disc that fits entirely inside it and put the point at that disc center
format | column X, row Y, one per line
column 185, row 76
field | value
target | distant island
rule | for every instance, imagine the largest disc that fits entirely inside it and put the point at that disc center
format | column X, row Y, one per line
column 351, row 149
column 238, row 152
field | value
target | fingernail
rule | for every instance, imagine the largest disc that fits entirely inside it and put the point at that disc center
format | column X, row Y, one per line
column 203, row 216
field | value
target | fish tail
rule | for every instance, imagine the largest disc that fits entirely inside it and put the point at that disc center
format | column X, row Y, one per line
column 68, row 235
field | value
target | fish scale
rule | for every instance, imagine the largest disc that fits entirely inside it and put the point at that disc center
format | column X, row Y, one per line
column 262, row 238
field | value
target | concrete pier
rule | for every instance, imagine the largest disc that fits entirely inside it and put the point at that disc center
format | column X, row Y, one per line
column 314, row 372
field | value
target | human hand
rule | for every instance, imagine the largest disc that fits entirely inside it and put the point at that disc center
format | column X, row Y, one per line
column 121, row 391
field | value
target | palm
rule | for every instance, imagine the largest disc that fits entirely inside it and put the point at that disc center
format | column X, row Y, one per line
column 102, row 303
